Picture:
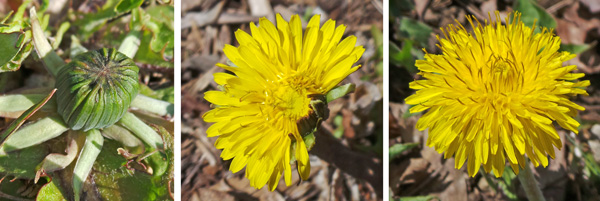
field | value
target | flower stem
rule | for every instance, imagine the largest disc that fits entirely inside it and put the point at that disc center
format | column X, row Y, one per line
column 142, row 130
column 51, row 60
column 152, row 105
column 130, row 44
column 530, row 185
column 90, row 151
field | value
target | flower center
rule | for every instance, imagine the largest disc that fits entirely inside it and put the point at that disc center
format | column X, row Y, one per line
column 501, row 67
column 501, row 83
column 503, row 78
column 292, row 101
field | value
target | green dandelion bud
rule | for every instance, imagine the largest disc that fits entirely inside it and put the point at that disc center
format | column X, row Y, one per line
column 96, row 88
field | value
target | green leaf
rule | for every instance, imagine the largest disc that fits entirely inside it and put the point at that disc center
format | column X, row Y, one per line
column 146, row 55
column 20, row 14
column 113, row 181
column 531, row 11
column 339, row 131
column 43, row 5
column 414, row 30
column 52, row 191
column 64, row 27
column 574, row 49
column 378, row 38
column 165, row 94
column 87, row 157
column 591, row 165
column 163, row 40
column 403, row 57
column 407, row 114
column 416, row 198
column 59, row 161
column 128, row 5
column 158, row 38
column 163, row 160
column 340, row 91
column 16, row 124
column 35, row 133
column 397, row 149
column 379, row 69
column 22, row 163
column 162, row 14
column 10, row 45
column 508, row 186
column 309, row 140
column 92, row 22
column 14, row 105
column 16, row 61
column 15, row 40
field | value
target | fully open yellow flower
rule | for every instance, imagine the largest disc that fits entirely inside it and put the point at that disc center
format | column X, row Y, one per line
column 495, row 93
column 277, row 71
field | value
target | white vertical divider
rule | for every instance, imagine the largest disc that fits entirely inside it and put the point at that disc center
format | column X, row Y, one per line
column 177, row 116
column 386, row 99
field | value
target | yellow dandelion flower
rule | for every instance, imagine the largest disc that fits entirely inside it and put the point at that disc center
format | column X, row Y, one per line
column 277, row 72
column 494, row 94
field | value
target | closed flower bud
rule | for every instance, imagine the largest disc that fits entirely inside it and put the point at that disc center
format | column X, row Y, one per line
column 96, row 89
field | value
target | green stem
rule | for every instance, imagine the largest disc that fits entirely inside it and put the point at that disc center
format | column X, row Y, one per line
column 59, row 161
column 130, row 44
column 152, row 105
column 125, row 137
column 90, row 151
column 141, row 130
column 530, row 184
column 51, row 60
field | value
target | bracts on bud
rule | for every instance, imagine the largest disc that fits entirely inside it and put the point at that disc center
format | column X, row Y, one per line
column 310, row 124
column 96, row 88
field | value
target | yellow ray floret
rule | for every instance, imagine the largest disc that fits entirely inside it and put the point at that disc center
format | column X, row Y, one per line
column 494, row 94
column 277, row 69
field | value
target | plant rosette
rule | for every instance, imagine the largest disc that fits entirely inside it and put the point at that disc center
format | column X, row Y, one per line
column 95, row 98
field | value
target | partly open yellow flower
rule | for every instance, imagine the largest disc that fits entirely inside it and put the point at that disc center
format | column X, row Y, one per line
column 495, row 93
column 277, row 71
